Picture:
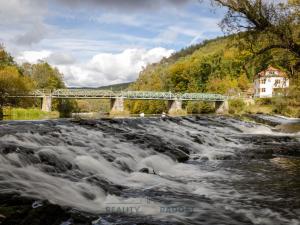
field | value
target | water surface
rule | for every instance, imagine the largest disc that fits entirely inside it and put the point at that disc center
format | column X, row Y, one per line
column 191, row 170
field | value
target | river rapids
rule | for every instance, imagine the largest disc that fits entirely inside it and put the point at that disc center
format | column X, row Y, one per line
column 208, row 170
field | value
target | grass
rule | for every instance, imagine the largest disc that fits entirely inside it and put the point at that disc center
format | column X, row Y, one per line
column 178, row 112
column 11, row 113
column 124, row 113
column 259, row 109
column 277, row 105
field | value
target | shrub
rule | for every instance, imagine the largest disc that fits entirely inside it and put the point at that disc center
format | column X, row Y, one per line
column 236, row 106
column 263, row 101
column 199, row 107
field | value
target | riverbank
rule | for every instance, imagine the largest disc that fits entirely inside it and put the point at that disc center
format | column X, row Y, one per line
column 12, row 113
column 238, row 109
column 288, row 107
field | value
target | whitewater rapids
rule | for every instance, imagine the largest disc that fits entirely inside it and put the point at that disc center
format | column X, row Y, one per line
column 191, row 170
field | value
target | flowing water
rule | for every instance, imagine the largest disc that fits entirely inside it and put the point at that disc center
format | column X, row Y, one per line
column 191, row 170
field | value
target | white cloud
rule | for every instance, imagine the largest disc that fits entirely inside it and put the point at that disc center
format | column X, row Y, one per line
column 101, row 69
column 32, row 56
column 108, row 68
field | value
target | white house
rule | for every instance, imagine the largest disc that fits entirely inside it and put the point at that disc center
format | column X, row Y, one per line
column 270, row 82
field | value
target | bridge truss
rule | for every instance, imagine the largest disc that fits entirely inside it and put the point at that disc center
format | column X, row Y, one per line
column 108, row 94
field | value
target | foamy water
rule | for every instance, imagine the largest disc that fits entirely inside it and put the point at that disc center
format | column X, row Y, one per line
column 96, row 168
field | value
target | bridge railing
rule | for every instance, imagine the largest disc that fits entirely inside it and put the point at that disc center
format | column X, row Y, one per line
column 147, row 95
column 202, row 96
column 83, row 93
column 96, row 93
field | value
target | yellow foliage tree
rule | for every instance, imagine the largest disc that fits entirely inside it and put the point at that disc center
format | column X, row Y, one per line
column 225, row 85
column 12, row 83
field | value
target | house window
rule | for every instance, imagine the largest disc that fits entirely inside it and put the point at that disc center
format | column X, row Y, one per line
column 277, row 83
column 263, row 81
column 263, row 90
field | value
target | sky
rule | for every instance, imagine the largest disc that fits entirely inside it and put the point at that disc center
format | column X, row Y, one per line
column 102, row 42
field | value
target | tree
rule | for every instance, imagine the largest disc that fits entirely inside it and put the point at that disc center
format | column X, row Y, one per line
column 45, row 76
column 268, row 24
column 5, row 58
column 243, row 83
column 225, row 85
column 48, row 77
column 11, row 83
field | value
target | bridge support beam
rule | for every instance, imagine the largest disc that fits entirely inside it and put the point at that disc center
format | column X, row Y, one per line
column 175, row 107
column 47, row 103
column 221, row 107
column 117, row 106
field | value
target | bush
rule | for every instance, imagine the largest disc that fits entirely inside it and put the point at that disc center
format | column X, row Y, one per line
column 236, row 106
column 263, row 101
column 200, row 107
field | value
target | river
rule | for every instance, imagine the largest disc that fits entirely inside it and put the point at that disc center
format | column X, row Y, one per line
column 208, row 170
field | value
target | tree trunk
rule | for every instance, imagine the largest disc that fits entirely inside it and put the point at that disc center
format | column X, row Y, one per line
column 1, row 113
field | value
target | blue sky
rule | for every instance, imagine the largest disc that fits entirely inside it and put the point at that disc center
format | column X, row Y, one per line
column 101, row 42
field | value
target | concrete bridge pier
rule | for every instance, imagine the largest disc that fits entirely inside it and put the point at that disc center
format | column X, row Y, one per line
column 117, row 106
column 221, row 107
column 175, row 107
column 47, row 103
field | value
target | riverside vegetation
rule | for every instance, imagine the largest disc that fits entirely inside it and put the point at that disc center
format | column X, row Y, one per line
column 24, row 78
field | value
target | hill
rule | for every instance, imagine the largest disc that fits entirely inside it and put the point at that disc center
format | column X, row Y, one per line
column 217, row 66
column 113, row 87
column 116, row 87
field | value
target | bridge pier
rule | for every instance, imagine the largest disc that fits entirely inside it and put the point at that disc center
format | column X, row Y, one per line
column 117, row 106
column 47, row 103
column 221, row 107
column 175, row 107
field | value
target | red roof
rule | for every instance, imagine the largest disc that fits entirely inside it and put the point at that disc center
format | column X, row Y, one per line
column 271, row 69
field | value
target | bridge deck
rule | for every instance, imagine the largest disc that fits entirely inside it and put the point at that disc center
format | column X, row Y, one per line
column 107, row 94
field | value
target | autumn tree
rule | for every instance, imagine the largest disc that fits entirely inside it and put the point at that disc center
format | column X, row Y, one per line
column 5, row 58
column 45, row 76
column 265, row 25
column 12, row 83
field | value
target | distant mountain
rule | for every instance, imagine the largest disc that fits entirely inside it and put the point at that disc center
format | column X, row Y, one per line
column 113, row 87
column 116, row 87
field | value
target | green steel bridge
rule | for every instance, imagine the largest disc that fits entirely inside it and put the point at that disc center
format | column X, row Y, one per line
column 117, row 97
column 107, row 94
